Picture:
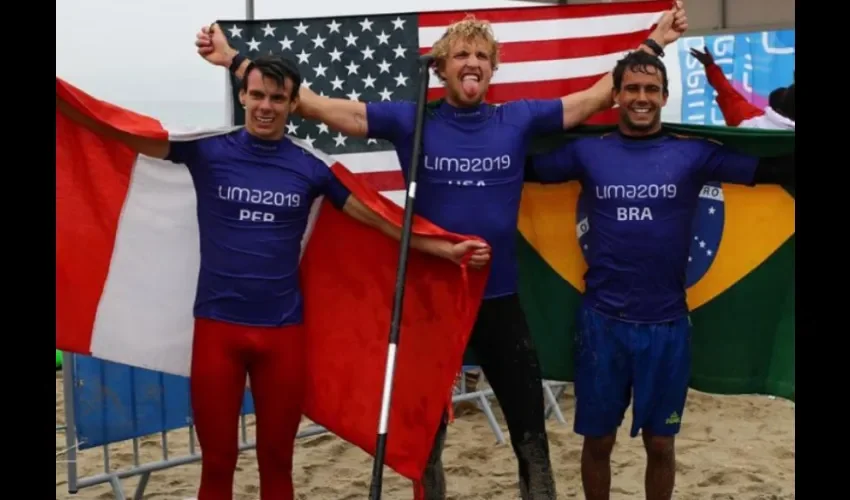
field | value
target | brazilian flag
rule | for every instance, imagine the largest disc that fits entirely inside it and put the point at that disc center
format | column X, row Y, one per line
column 740, row 277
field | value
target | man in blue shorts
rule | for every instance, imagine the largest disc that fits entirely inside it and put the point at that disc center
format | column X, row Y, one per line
column 633, row 342
column 470, row 182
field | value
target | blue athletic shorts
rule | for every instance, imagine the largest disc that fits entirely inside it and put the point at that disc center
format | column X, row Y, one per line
column 616, row 361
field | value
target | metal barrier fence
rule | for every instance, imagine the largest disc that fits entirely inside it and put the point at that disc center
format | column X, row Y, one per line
column 107, row 404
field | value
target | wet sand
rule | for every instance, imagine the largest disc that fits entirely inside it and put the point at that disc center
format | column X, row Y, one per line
column 730, row 448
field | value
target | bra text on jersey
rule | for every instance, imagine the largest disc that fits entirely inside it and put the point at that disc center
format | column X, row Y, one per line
column 635, row 192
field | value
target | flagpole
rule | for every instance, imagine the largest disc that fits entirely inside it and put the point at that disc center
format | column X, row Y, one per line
column 401, row 273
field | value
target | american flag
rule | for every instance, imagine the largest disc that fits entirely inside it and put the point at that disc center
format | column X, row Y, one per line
column 546, row 52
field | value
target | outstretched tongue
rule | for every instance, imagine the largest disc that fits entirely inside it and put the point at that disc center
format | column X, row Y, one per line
column 470, row 86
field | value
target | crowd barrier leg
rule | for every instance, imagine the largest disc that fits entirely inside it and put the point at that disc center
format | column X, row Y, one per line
column 552, row 391
column 138, row 469
column 482, row 398
column 552, row 396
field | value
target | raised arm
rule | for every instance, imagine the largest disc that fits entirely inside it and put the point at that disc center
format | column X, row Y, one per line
column 733, row 105
column 580, row 106
column 342, row 115
column 154, row 148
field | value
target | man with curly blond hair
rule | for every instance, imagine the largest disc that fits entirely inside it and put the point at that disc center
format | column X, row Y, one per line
column 471, row 183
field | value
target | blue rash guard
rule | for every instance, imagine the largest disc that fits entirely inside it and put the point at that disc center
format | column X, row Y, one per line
column 642, row 194
column 471, row 173
column 254, row 197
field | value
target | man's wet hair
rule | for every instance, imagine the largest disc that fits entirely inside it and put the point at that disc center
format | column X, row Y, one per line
column 640, row 61
column 469, row 28
column 278, row 68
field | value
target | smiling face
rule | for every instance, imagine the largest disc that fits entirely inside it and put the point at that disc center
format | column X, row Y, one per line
column 267, row 105
column 640, row 97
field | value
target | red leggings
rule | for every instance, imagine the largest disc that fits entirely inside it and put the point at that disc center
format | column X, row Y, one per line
column 222, row 354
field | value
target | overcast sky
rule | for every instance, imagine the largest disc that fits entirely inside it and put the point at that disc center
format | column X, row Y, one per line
column 140, row 53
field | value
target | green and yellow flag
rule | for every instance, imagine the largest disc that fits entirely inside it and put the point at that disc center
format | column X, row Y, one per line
column 740, row 275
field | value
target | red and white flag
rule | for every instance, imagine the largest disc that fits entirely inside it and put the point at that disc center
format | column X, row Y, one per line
column 127, row 261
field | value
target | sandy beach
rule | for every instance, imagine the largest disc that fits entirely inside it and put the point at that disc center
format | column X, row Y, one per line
column 730, row 448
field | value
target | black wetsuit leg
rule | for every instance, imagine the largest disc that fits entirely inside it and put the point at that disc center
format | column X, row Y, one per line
column 502, row 344
column 434, row 479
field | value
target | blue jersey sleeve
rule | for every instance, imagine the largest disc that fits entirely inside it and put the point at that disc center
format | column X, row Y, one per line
column 547, row 115
column 185, row 152
column 391, row 120
column 560, row 165
column 332, row 188
column 722, row 164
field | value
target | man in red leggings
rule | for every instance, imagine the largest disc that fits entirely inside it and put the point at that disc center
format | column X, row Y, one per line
column 255, row 188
